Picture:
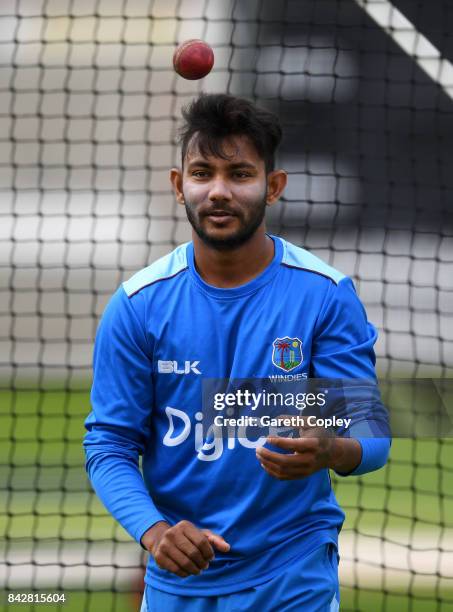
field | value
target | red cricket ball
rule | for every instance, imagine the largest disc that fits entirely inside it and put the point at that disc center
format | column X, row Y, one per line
column 193, row 59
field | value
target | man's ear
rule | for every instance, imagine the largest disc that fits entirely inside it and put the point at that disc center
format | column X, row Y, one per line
column 276, row 183
column 176, row 181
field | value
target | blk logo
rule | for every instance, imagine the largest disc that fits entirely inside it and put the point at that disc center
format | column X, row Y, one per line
column 172, row 367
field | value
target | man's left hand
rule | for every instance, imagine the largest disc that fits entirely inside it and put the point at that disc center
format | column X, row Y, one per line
column 313, row 451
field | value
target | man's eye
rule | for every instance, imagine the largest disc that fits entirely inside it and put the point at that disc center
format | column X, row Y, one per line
column 200, row 173
column 241, row 174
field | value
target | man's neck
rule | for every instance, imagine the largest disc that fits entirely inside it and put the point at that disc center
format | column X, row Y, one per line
column 227, row 269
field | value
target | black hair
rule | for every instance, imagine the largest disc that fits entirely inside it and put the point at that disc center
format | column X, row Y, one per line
column 214, row 117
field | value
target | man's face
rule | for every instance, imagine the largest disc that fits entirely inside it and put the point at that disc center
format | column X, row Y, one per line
column 225, row 199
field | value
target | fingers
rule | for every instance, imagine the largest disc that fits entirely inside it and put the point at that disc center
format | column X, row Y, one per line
column 282, row 459
column 186, row 550
column 201, row 541
column 297, row 445
column 217, row 541
column 301, row 431
column 277, row 472
column 286, row 467
column 166, row 563
column 286, row 472
column 183, row 555
column 308, row 431
column 309, row 455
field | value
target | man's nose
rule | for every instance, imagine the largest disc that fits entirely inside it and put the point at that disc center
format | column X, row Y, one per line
column 220, row 190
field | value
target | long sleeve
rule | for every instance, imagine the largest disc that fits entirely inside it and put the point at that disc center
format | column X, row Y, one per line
column 343, row 349
column 118, row 425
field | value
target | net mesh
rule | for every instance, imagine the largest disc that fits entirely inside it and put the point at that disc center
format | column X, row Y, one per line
column 89, row 107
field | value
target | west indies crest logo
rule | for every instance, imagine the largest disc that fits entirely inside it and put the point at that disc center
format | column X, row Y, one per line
column 287, row 353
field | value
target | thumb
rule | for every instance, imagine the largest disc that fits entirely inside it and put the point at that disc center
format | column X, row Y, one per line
column 216, row 540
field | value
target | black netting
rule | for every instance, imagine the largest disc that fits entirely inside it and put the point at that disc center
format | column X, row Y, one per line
column 89, row 107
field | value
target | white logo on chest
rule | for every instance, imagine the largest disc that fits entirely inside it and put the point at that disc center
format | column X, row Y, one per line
column 171, row 367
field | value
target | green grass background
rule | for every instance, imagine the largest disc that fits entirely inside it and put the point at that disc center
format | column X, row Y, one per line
column 45, row 494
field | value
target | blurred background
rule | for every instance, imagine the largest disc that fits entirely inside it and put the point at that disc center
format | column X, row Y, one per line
column 89, row 108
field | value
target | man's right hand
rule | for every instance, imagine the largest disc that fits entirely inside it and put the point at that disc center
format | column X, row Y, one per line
column 182, row 549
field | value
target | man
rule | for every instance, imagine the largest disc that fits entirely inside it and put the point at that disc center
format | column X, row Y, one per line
column 228, row 525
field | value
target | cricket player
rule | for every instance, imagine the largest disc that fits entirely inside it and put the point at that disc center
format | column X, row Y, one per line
column 229, row 524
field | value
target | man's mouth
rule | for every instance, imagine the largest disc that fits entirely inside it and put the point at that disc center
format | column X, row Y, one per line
column 219, row 213
column 220, row 216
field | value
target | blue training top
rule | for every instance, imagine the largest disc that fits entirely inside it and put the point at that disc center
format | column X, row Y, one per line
column 163, row 331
